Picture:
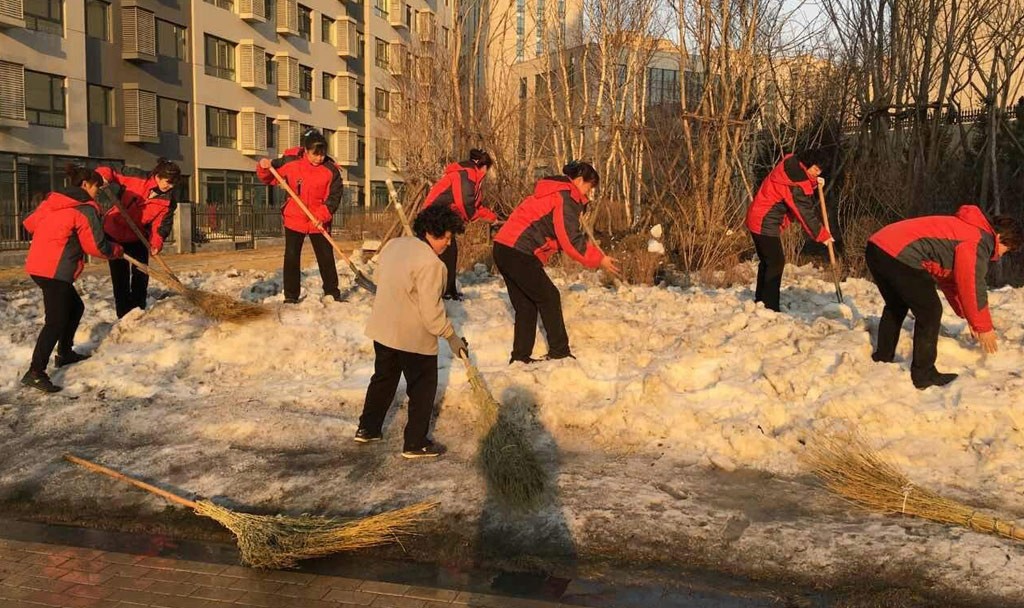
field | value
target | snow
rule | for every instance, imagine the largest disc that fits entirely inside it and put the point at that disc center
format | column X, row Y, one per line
column 687, row 409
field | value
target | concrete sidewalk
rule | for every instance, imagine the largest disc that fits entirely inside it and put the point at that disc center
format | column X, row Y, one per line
column 35, row 574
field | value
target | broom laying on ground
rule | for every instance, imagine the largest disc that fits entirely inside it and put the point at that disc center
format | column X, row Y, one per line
column 278, row 541
column 851, row 469
column 514, row 473
column 214, row 305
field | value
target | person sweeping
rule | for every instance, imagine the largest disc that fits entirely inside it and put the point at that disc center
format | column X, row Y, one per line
column 316, row 179
column 908, row 258
column 64, row 228
column 785, row 195
column 150, row 201
column 407, row 319
column 460, row 189
column 544, row 223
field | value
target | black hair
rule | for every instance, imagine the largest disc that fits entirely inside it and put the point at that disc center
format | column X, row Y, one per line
column 166, row 169
column 1009, row 231
column 812, row 156
column 581, row 168
column 480, row 158
column 78, row 174
column 315, row 142
column 435, row 220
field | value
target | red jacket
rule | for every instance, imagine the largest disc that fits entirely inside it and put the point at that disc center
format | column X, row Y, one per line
column 785, row 195
column 64, row 227
column 549, row 220
column 460, row 188
column 320, row 187
column 151, row 209
column 955, row 249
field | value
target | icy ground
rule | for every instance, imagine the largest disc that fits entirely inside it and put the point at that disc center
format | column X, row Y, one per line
column 675, row 437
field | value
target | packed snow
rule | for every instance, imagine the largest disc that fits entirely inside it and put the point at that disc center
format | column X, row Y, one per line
column 677, row 431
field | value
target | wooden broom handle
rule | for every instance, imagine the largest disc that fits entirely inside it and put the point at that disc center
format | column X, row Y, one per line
column 135, row 228
column 295, row 197
column 406, row 227
column 96, row 468
column 824, row 219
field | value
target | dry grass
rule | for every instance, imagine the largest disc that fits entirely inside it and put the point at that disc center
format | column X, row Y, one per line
column 638, row 265
column 515, row 476
column 276, row 541
column 475, row 247
column 852, row 470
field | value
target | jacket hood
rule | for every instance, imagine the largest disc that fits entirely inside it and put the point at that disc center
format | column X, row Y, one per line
column 781, row 177
column 57, row 201
column 475, row 173
column 556, row 183
column 296, row 151
column 973, row 215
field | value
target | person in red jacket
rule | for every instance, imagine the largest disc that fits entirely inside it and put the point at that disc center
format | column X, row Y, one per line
column 64, row 228
column 906, row 260
column 317, row 181
column 150, row 202
column 787, row 194
column 460, row 189
column 544, row 223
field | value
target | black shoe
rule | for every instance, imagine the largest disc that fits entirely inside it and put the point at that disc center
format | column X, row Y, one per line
column 39, row 381
column 336, row 297
column 932, row 378
column 880, row 359
column 431, row 450
column 527, row 360
column 291, row 300
column 69, row 359
column 557, row 357
column 367, row 436
column 455, row 297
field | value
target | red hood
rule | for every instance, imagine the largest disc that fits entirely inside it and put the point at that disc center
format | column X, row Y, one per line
column 56, row 201
column 973, row 215
column 782, row 178
column 557, row 183
column 297, row 151
column 475, row 173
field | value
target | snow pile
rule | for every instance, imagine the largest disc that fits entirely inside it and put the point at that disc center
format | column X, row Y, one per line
column 265, row 412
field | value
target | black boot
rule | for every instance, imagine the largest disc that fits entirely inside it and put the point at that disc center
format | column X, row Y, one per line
column 39, row 381
column 932, row 377
column 880, row 359
column 69, row 358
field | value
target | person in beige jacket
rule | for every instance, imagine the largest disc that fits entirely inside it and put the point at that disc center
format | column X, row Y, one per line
column 407, row 319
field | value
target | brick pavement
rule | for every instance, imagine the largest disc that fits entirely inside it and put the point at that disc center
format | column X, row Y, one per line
column 37, row 574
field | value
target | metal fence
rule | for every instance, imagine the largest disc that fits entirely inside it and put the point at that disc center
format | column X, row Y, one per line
column 242, row 224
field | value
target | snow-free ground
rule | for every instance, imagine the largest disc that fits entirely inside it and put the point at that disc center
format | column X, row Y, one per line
column 674, row 438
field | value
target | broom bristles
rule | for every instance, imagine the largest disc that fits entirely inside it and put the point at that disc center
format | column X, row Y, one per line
column 513, row 471
column 278, row 541
column 216, row 306
column 854, row 471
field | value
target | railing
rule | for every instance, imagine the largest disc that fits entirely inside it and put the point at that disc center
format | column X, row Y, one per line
column 244, row 223
column 12, row 234
column 898, row 119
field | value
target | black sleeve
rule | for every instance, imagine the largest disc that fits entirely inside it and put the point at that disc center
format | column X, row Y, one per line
column 793, row 170
column 337, row 188
column 277, row 163
column 808, row 209
column 164, row 229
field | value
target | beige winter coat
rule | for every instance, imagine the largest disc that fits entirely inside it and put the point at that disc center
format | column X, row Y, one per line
column 408, row 313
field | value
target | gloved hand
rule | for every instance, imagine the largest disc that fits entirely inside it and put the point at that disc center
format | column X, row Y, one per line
column 459, row 346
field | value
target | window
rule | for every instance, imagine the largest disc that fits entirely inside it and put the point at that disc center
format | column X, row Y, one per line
column 327, row 86
column 305, row 22
column 220, row 58
column 172, row 116
column 226, row 189
column 520, row 28
column 360, row 148
column 662, row 86
column 408, row 16
column 362, row 43
column 382, row 53
column 45, row 16
column 620, row 74
column 271, row 133
column 171, row 40
column 97, row 19
column 306, row 82
column 44, row 99
column 522, row 88
column 269, row 11
column 445, row 34
column 221, row 128
column 101, row 105
column 380, row 8
column 361, row 95
column 326, row 29
column 382, row 153
column 541, row 25
column 382, row 102
column 331, row 137
column 227, row 4
column 379, row 194
column 271, row 70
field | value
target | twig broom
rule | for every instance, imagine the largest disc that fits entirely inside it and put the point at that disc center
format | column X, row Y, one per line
column 214, row 305
column 852, row 470
column 279, row 541
column 514, row 473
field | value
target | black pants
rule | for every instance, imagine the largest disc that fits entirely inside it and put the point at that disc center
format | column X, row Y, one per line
column 421, row 379
column 906, row 288
column 771, row 262
column 64, row 310
column 531, row 292
column 450, row 257
column 293, row 263
column 130, row 284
